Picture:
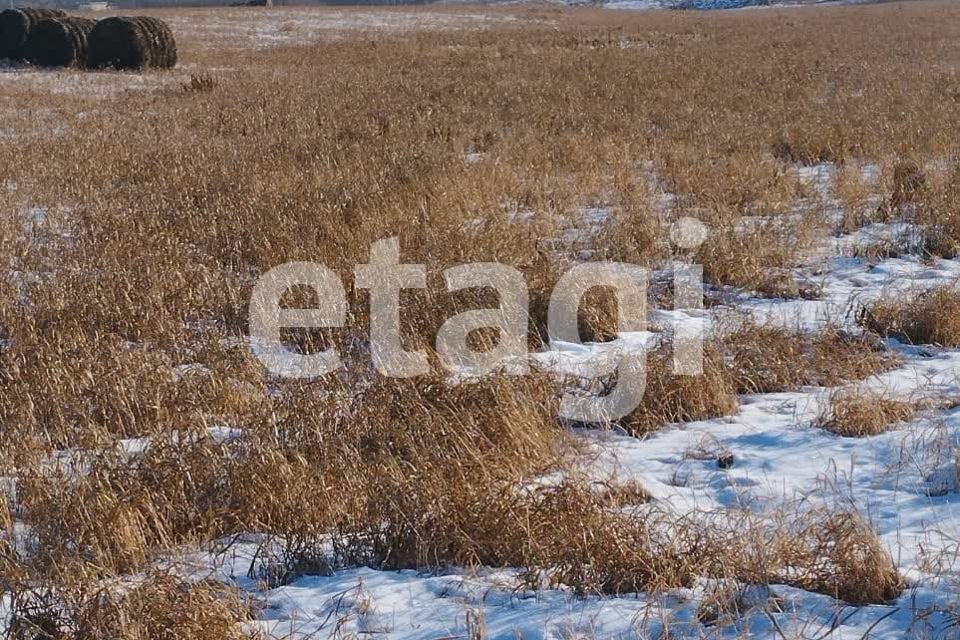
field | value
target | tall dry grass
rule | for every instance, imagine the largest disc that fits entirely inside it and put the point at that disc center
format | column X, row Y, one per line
column 124, row 311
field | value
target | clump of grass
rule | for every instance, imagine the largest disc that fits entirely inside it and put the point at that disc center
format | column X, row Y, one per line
column 159, row 606
column 577, row 541
column 597, row 316
column 122, row 510
column 857, row 413
column 729, row 601
column 839, row 554
column 423, row 471
column 199, row 83
column 622, row 494
column 164, row 606
column 908, row 182
column 939, row 213
column 897, row 246
column 909, row 185
column 931, row 317
column 809, row 152
column 836, row 553
column 670, row 398
column 942, row 239
column 770, row 359
column 852, row 190
column 760, row 258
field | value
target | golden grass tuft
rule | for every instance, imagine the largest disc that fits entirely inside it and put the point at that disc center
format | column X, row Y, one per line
column 852, row 190
column 761, row 257
column 597, row 317
column 670, row 398
column 770, row 359
column 855, row 413
column 836, row 553
column 840, row 555
column 160, row 606
column 931, row 317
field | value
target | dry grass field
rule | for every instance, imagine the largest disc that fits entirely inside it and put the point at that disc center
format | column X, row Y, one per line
column 159, row 483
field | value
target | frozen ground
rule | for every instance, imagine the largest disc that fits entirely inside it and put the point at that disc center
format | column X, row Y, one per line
column 901, row 480
column 233, row 28
column 713, row 5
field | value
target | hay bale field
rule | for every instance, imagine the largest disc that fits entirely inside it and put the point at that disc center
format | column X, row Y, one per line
column 59, row 42
column 132, row 43
column 16, row 26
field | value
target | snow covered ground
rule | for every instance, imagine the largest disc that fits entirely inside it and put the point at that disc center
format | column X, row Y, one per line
column 233, row 28
column 713, row 5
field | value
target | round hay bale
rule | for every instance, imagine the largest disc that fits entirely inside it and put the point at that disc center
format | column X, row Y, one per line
column 164, row 47
column 59, row 42
column 132, row 43
column 15, row 28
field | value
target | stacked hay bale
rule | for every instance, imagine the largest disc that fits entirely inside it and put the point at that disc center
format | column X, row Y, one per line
column 132, row 43
column 59, row 42
column 16, row 26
